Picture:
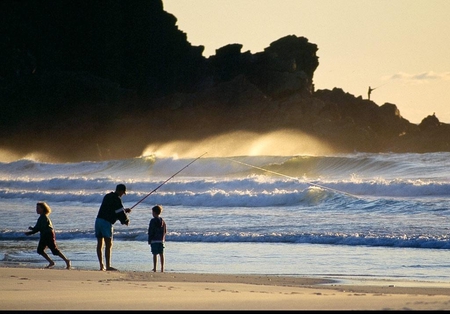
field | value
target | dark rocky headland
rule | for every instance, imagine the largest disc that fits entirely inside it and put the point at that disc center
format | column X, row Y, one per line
column 76, row 76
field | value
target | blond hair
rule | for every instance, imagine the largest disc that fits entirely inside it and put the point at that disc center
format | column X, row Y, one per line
column 157, row 209
column 45, row 207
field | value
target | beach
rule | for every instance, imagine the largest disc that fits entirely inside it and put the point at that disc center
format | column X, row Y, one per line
column 60, row 289
column 238, row 238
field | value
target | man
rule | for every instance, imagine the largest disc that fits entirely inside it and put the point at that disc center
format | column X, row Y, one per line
column 110, row 211
column 370, row 92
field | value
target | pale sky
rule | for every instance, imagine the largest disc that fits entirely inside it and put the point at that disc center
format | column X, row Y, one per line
column 399, row 47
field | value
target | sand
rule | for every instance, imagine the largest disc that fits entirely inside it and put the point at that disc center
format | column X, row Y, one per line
column 60, row 289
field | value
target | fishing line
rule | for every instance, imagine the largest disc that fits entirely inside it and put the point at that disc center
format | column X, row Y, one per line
column 294, row 178
column 167, row 180
column 379, row 86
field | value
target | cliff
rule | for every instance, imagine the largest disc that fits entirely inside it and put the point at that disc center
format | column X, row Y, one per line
column 77, row 76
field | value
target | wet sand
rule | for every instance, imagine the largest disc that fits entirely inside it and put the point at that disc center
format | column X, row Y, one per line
column 60, row 289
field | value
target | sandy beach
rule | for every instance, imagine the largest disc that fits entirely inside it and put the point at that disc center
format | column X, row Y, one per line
column 60, row 289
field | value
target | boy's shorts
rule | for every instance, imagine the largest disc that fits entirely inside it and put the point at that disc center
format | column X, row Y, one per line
column 157, row 248
column 48, row 240
column 103, row 228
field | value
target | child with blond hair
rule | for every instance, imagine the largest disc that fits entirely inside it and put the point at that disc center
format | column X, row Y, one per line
column 47, row 235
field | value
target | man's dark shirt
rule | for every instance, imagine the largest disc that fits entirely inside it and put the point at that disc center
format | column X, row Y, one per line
column 110, row 208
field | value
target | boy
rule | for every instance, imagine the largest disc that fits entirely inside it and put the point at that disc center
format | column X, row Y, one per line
column 47, row 235
column 157, row 236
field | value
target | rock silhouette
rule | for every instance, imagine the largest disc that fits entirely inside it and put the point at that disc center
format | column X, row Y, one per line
column 77, row 76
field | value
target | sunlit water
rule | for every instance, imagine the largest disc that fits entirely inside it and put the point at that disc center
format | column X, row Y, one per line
column 343, row 216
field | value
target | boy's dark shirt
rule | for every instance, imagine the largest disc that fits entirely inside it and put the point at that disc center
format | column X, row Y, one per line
column 157, row 230
column 43, row 225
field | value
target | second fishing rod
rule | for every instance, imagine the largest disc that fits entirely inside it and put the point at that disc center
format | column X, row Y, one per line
column 290, row 177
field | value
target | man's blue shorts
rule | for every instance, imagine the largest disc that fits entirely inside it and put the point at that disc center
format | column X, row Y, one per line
column 103, row 228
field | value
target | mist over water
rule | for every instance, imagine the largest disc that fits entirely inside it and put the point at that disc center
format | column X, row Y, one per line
column 240, row 143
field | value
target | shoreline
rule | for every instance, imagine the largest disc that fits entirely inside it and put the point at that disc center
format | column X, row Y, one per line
column 25, row 288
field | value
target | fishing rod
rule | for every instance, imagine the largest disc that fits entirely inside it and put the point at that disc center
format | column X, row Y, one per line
column 379, row 86
column 372, row 89
column 167, row 180
column 283, row 175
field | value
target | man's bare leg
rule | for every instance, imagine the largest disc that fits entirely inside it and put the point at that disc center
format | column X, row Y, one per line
column 108, row 253
column 99, row 253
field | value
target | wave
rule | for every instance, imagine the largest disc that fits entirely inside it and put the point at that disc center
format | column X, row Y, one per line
column 252, row 191
column 257, row 189
column 389, row 166
column 329, row 238
column 237, row 181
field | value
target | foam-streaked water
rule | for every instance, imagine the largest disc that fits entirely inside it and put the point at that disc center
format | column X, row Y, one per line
column 363, row 215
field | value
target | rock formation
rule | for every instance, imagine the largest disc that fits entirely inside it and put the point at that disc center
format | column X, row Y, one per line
column 79, row 75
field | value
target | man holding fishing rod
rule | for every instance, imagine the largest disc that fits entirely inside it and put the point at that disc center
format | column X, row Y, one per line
column 110, row 211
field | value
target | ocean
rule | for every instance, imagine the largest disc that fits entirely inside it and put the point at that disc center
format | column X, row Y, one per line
column 345, row 216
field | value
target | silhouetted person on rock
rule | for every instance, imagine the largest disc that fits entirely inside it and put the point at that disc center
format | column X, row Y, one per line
column 370, row 92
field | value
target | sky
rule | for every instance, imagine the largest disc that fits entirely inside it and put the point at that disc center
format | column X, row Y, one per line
column 399, row 47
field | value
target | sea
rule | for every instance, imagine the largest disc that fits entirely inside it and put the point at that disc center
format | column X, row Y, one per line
column 352, row 216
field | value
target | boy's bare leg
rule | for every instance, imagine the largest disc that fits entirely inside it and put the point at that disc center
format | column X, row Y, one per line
column 51, row 263
column 155, row 261
column 162, row 261
column 68, row 264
